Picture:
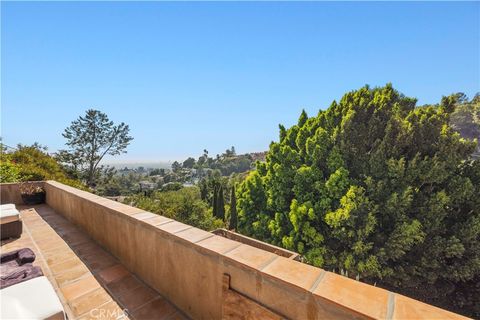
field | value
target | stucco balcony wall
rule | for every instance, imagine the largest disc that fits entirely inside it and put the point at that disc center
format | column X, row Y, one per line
column 10, row 192
column 186, row 265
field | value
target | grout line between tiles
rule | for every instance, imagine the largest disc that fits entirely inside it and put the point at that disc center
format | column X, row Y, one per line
column 231, row 249
column 268, row 262
column 207, row 237
column 184, row 229
column 319, row 279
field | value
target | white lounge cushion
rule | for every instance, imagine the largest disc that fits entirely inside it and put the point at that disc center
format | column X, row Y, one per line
column 7, row 206
column 31, row 299
column 9, row 215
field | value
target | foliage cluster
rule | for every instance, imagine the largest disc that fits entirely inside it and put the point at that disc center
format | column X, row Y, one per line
column 219, row 191
column 184, row 205
column 109, row 182
column 226, row 163
column 33, row 163
column 377, row 189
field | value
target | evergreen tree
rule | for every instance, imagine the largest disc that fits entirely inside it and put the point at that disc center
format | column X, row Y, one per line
column 220, row 203
column 233, row 210
column 215, row 201
column 203, row 190
column 377, row 187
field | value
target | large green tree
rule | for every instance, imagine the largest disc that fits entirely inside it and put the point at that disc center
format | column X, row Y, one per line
column 188, row 163
column 378, row 189
column 90, row 138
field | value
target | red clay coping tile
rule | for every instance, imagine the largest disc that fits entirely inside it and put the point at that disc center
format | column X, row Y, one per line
column 144, row 215
column 354, row 295
column 193, row 234
column 173, row 226
column 406, row 308
column 217, row 244
column 158, row 219
column 293, row 272
column 250, row 256
column 123, row 208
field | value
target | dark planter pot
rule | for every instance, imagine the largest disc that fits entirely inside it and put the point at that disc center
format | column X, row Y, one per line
column 36, row 198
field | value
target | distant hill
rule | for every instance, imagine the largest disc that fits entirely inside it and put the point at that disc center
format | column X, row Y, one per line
column 260, row 156
column 466, row 119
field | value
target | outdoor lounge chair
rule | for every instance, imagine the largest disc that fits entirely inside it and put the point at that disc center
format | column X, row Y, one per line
column 32, row 299
column 10, row 222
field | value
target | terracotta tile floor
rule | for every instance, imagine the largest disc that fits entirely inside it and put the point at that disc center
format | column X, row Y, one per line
column 90, row 282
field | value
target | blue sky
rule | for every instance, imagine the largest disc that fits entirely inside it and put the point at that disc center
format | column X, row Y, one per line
column 188, row 76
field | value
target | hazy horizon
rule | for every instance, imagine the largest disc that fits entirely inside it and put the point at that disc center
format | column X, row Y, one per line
column 136, row 164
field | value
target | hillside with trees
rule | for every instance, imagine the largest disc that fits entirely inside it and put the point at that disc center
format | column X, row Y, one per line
column 466, row 119
column 183, row 205
column 379, row 190
column 32, row 163
column 227, row 163
column 205, row 186
column 209, row 204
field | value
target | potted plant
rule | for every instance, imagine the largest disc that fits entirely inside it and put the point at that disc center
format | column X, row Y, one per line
column 32, row 193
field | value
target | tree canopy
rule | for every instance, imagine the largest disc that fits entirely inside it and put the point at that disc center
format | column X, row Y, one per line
column 32, row 163
column 184, row 205
column 227, row 163
column 379, row 190
column 90, row 138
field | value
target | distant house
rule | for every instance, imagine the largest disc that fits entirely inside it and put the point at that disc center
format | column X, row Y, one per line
column 157, row 178
column 147, row 185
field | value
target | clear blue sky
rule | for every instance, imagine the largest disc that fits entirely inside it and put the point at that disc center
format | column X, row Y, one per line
column 189, row 76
